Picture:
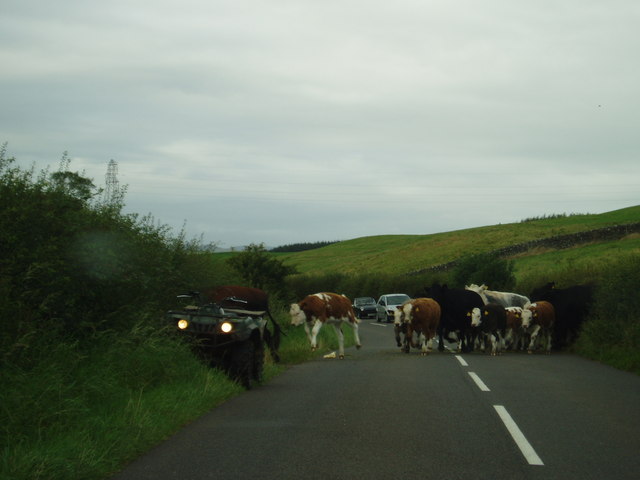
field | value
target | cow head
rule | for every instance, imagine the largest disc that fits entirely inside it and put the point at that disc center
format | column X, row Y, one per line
column 476, row 317
column 527, row 316
column 398, row 316
column 298, row 317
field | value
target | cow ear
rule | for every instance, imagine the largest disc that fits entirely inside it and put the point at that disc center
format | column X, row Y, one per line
column 486, row 312
column 417, row 309
column 468, row 314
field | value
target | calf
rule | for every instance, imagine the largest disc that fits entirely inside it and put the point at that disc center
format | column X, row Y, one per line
column 321, row 308
column 491, row 321
column 571, row 304
column 422, row 316
column 539, row 318
column 514, row 334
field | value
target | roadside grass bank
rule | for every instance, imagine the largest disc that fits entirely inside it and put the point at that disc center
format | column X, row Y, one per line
column 83, row 412
column 612, row 333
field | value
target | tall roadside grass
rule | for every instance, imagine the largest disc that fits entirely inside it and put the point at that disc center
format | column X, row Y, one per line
column 81, row 413
column 612, row 333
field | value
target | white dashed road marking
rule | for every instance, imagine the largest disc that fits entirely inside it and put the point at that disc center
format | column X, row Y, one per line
column 462, row 361
column 525, row 447
column 523, row 444
column 479, row 382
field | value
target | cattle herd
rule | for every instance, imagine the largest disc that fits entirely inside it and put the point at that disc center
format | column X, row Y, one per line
column 474, row 318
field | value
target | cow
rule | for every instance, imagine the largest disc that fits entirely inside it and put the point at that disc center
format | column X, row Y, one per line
column 539, row 318
column 491, row 321
column 422, row 316
column 514, row 334
column 571, row 306
column 249, row 301
column 456, row 305
column 506, row 299
column 321, row 308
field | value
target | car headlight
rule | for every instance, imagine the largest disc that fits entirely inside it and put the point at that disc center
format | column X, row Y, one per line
column 226, row 327
column 183, row 324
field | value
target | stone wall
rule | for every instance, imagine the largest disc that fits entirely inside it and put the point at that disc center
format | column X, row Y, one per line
column 614, row 232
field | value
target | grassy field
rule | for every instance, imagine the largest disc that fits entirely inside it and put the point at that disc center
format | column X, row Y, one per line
column 567, row 265
column 399, row 254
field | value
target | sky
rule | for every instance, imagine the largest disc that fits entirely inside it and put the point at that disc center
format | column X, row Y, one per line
column 288, row 121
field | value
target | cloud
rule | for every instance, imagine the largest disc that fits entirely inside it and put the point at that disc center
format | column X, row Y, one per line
column 259, row 121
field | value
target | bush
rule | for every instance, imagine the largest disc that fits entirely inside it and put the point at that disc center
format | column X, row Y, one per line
column 485, row 268
column 77, row 265
column 612, row 332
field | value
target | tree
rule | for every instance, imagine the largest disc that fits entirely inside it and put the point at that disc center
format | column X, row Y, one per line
column 485, row 268
column 260, row 269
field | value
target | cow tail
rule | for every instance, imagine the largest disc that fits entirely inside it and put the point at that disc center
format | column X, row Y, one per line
column 273, row 341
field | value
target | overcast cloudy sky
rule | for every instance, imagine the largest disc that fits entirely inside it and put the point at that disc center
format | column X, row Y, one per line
column 288, row 121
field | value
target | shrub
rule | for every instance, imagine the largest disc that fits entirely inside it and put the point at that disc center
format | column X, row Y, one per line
column 485, row 268
column 612, row 332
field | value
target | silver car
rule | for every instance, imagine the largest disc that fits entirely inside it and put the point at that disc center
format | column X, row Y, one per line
column 387, row 304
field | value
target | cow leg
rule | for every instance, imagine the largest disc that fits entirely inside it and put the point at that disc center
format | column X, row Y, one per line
column 492, row 338
column 308, row 332
column 534, row 336
column 430, row 338
column 423, row 343
column 338, row 329
column 314, row 334
column 549, row 335
column 440, row 339
column 356, row 336
column 397, row 329
column 416, row 343
column 408, row 338
column 508, row 339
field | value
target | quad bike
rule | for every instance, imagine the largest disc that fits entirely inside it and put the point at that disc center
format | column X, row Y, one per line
column 231, row 337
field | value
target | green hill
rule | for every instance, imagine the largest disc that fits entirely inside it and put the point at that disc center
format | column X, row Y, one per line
column 400, row 254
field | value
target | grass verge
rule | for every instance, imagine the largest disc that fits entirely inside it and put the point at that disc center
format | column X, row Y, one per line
column 83, row 413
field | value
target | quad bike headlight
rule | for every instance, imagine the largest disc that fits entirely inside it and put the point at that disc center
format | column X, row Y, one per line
column 183, row 324
column 226, row 327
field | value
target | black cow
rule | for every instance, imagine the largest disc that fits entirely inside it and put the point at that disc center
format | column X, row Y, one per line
column 456, row 305
column 571, row 306
column 491, row 322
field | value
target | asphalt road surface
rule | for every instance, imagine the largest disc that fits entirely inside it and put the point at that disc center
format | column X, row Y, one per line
column 383, row 414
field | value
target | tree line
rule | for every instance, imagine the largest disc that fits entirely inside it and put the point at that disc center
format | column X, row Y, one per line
column 300, row 247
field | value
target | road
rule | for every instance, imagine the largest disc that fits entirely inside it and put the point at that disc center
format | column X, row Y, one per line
column 382, row 414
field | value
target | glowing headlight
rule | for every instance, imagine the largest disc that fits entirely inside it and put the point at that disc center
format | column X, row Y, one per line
column 182, row 324
column 226, row 327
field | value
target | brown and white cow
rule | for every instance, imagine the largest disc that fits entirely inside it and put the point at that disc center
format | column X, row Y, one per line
column 422, row 316
column 514, row 334
column 320, row 308
column 538, row 318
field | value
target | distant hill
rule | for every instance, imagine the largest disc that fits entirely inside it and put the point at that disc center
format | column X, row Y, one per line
column 400, row 254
